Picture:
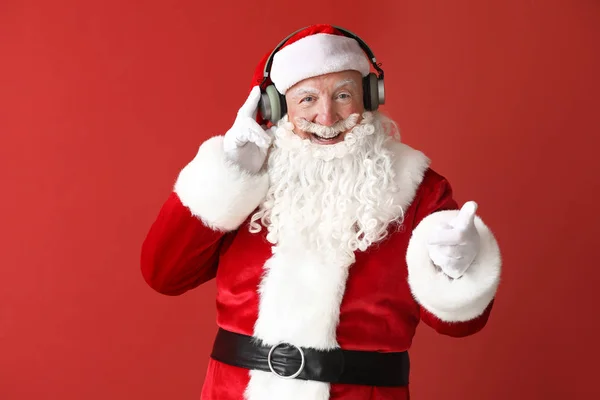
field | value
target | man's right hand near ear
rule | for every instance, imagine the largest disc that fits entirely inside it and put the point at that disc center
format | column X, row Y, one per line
column 246, row 143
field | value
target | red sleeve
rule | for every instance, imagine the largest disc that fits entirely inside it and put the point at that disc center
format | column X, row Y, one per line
column 179, row 252
column 436, row 195
column 211, row 199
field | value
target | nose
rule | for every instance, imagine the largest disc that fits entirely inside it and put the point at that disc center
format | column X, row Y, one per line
column 327, row 115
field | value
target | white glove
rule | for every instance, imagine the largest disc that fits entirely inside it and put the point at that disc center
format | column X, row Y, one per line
column 454, row 245
column 246, row 143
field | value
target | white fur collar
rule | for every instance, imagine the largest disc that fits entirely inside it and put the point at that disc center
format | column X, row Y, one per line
column 410, row 167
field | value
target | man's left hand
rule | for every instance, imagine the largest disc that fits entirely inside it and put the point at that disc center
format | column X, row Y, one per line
column 454, row 245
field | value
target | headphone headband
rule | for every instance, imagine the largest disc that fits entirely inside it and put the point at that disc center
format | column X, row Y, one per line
column 345, row 32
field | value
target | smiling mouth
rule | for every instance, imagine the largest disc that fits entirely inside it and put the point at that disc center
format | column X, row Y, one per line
column 325, row 140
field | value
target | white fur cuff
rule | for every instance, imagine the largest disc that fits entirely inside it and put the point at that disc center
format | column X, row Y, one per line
column 317, row 55
column 217, row 191
column 453, row 300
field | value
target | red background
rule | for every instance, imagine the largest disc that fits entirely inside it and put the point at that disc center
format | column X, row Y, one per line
column 101, row 104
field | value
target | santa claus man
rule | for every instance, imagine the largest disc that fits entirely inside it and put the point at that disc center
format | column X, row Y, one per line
column 329, row 238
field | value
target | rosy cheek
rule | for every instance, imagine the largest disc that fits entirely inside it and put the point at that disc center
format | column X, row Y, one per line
column 348, row 109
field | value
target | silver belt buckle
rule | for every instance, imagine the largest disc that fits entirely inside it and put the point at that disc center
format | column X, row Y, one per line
column 271, row 365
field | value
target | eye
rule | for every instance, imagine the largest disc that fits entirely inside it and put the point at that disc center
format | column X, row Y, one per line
column 307, row 99
column 344, row 96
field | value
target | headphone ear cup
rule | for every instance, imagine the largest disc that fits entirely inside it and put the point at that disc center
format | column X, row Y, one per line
column 366, row 93
column 269, row 105
column 282, row 104
column 264, row 108
column 380, row 91
column 371, row 92
column 275, row 103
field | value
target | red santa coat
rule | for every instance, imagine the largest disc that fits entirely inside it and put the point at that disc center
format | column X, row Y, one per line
column 374, row 304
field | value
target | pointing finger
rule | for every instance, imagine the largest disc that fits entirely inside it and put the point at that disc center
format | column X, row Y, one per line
column 250, row 106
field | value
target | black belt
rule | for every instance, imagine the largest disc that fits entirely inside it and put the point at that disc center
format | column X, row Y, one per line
column 333, row 366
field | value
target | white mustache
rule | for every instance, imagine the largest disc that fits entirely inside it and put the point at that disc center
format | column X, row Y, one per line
column 327, row 132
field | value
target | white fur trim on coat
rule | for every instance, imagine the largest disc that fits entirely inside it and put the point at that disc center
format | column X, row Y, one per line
column 453, row 300
column 218, row 192
column 315, row 55
column 300, row 297
column 410, row 166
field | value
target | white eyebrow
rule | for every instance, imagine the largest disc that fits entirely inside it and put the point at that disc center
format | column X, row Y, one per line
column 344, row 83
column 304, row 90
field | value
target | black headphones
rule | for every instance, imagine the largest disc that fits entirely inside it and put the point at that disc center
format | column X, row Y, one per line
column 272, row 105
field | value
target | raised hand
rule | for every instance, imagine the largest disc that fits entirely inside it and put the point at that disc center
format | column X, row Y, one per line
column 246, row 143
column 454, row 245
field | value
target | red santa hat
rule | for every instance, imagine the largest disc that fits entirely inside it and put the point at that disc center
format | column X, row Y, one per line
column 315, row 50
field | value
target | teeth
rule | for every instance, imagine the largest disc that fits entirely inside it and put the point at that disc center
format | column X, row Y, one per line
column 324, row 138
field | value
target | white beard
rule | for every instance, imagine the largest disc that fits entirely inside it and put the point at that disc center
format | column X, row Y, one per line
column 331, row 199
